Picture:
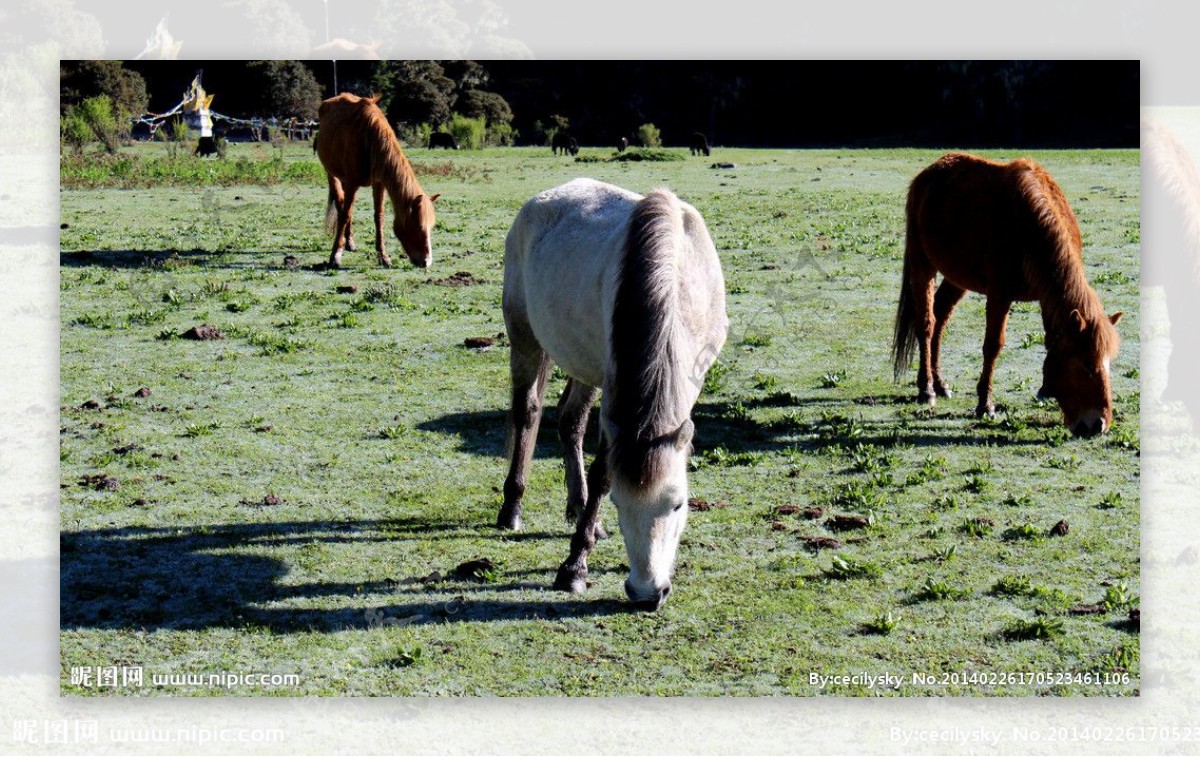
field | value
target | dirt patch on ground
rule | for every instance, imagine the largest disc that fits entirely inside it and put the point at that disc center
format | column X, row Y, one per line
column 202, row 333
column 808, row 513
column 270, row 500
column 100, row 482
column 459, row 279
column 475, row 570
column 847, row 522
column 817, row 543
column 697, row 505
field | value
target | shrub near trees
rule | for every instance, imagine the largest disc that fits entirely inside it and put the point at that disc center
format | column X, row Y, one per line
column 98, row 99
column 648, row 135
column 91, row 120
column 423, row 96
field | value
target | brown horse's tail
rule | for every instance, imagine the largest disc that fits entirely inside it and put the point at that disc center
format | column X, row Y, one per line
column 331, row 212
column 904, row 339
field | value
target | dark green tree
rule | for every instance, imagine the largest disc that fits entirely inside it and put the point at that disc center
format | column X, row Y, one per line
column 415, row 91
column 467, row 74
column 476, row 103
column 81, row 79
column 289, row 88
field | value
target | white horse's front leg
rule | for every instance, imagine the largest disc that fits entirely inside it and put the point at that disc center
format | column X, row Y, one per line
column 573, row 410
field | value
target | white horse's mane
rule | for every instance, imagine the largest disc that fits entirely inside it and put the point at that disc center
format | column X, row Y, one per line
column 648, row 403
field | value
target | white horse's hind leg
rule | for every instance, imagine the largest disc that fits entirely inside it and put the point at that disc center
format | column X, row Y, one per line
column 573, row 410
column 530, row 367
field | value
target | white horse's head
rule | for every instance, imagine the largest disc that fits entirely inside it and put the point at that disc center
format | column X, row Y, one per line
column 652, row 516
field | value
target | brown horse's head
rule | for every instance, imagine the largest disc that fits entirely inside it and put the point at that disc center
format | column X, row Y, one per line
column 1076, row 372
column 414, row 229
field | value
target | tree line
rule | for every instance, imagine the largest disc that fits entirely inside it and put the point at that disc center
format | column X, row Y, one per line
column 735, row 103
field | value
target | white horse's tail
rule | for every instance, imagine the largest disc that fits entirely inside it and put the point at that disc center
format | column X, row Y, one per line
column 645, row 388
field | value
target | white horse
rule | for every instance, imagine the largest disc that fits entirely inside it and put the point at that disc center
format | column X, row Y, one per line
column 626, row 294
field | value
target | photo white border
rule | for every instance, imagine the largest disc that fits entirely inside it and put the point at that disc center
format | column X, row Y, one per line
column 1160, row 35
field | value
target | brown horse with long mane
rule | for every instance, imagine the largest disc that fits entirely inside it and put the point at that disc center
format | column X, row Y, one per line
column 1007, row 231
column 358, row 148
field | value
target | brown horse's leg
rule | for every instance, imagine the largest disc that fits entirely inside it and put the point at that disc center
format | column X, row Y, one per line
column 344, row 223
column 993, row 342
column 572, row 574
column 921, row 279
column 573, row 410
column 530, row 368
column 380, row 248
column 338, row 195
column 948, row 296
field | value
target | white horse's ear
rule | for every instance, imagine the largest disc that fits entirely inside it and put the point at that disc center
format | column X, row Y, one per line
column 683, row 437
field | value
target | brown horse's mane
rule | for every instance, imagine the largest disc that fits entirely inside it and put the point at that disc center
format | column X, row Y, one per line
column 646, row 388
column 389, row 165
column 1173, row 168
column 1061, row 278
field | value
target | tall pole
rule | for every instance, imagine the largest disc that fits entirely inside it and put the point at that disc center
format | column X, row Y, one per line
column 335, row 85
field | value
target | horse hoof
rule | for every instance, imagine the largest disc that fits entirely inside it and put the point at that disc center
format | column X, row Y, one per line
column 986, row 411
column 944, row 391
column 569, row 580
column 599, row 533
column 927, row 398
column 509, row 521
column 351, row 246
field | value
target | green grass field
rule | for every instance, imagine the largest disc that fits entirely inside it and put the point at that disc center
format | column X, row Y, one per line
column 296, row 497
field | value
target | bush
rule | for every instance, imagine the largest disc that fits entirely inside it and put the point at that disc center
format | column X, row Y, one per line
column 173, row 134
column 544, row 132
column 414, row 135
column 501, row 135
column 648, row 135
column 75, row 131
column 640, row 154
column 92, row 119
column 468, row 132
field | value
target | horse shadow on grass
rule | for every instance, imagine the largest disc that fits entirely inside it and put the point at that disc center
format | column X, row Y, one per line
column 236, row 576
column 194, row 257
column 728, row 426
column 483, row 433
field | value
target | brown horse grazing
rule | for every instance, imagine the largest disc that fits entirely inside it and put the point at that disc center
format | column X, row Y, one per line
column 358, row 148
column 1004, row 230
